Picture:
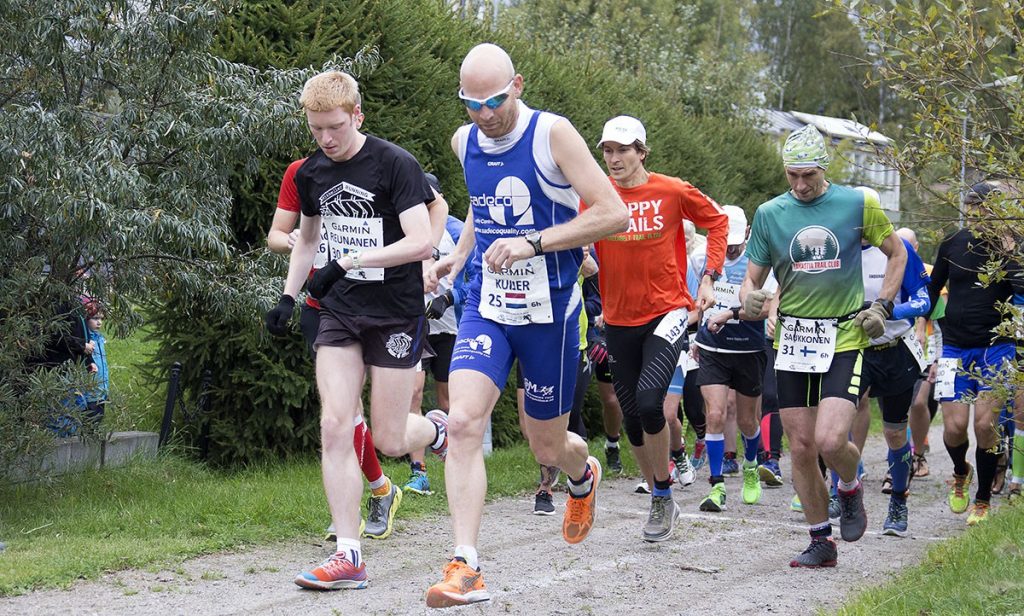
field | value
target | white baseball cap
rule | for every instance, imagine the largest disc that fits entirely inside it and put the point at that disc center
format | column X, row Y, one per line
column 623, row 129
column 737, row 225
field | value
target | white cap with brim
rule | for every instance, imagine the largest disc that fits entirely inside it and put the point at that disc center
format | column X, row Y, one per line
column 737, row 225
column 623, row 129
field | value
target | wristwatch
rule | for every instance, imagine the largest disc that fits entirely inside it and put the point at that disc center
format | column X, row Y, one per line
column 714, row 274
column 435, row 254
column 534, row 238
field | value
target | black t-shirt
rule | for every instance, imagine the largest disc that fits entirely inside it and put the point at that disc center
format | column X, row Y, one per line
column 971, row 311
column 359, row 201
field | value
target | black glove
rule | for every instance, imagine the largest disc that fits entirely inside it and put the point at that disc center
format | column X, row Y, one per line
column 277, row 319
column 439, row 305
column 598, row 351
column 324, row 278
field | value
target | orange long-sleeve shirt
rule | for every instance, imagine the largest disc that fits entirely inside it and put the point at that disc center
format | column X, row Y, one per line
column 643, row 269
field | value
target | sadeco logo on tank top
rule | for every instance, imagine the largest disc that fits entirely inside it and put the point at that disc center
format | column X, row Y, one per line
column 348, row 225
column 510, row 203
column 814, row 249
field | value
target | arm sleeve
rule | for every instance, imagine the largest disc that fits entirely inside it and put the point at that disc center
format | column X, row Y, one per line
column 592, row 296
column 914, row 288
column 706, row 214
column 288, row 195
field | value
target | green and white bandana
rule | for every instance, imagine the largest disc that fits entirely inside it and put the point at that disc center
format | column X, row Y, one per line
column 805, row 148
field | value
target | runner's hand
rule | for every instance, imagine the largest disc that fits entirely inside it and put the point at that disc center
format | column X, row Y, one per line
column 598, row 351
column 754, row 302
column 769, row 327
column 324, row 278
column 504, row 252
column 292, row 238
column 444, row 267
column 872, row 319
column 277, row 319
column 705, row 295
column 717, row 322
column 439, row 305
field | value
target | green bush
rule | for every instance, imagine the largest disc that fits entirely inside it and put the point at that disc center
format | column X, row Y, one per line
column 263, row 401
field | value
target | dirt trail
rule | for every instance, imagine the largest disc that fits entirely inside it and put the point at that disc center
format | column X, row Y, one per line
column 730, row 563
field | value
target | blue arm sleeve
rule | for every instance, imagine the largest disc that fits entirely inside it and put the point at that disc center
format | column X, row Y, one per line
column 918, row 305
column 913, row 289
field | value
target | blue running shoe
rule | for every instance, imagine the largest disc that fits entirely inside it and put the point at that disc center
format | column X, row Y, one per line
column 770, row 473
column 730, row 468
column 896, row 522
column 418, row 484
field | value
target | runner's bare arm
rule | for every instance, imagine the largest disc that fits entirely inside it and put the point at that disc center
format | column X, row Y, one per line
column 606, row 213
column 894, row 249
column 301, row 260
column 754, row 279
column 283, row 234
column 415, row 246
column 438, row 212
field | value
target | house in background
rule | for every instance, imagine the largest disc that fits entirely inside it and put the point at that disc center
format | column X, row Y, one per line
column 857, row 148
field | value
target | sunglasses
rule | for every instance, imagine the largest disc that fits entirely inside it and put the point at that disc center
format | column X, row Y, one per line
column 492, row 102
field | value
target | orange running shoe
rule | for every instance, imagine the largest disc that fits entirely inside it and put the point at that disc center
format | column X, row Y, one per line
column 461, row 586
column 580, row 511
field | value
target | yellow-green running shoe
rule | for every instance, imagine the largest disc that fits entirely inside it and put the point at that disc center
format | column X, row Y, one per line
column 958, row 497
column 979, row 513
column 751, row 483
column 795, row 504
column 716, row 499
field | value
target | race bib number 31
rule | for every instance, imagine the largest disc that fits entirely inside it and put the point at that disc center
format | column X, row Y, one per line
column 519, row 295
column 805, row 345
column 341, row 235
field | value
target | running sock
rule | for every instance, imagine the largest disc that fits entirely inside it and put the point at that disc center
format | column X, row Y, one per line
column 418, row 467
column 351, row 549
column 468, row 554
column 716, row 453
column 611, row 443
column 366, row 454
column 381, row 487
column 1018, row 457
column 899, row 468
column 987, row 462
column 750, row 445
column 679, row 453
column 820, row 531
column 848, row 486
column 662, row 488
column 582, row 487
column 958, row 454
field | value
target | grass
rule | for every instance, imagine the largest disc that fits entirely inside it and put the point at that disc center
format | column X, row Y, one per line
column 161, row 512
column 978, row 572
column 135, row 404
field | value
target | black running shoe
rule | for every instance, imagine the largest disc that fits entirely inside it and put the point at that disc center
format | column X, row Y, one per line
column 853, row 518
column 821, row 553
column 542, row 504
column 612, row 459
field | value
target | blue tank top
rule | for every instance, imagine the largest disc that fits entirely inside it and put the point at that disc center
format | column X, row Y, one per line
column 742, row 336
column 508, row 200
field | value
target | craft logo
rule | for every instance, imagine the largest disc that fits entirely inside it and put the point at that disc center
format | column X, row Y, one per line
column 814, row 249
column 509, row 205
column 399, row 345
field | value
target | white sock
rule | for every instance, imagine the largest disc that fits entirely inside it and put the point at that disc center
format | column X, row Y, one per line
column 468, row 553
column 351, row 549
column 848, row 486
column 381, row 482
column 611, row 445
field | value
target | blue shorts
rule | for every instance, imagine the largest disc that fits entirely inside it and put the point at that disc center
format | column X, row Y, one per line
column 548, row 355
column 985, row 362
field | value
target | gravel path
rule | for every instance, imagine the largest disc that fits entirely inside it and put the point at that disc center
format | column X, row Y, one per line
column 733, row 562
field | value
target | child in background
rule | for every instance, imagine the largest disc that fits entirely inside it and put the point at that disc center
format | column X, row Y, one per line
column 96, row 397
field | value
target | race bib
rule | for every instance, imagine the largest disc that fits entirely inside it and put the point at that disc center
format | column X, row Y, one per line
column 519, row 295
column 340, row 235
column 687, row 361
column 910, row 339
column 805, row 345
column 672, row 326
column 945, row 378
column 727, row 295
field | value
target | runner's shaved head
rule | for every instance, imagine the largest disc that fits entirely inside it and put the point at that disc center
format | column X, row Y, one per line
column 908, row 234
column 486, row 69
